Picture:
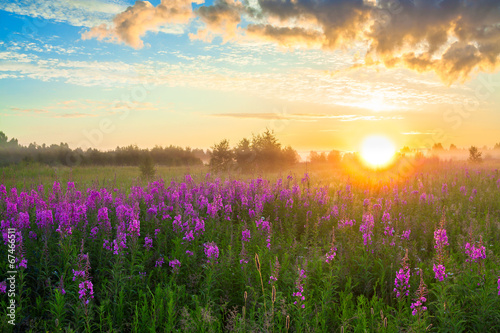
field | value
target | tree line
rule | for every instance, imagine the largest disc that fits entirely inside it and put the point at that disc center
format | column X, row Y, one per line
column 263, row 152
column 11, row 152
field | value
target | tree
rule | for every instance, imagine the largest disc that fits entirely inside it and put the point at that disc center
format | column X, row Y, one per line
column 3, row 139
column 453, row 147
column 290, row 156
column 437, row 146
column 475, row 155
column 334, row 157
column 267, row 150
column 244, row 156
column 497, row 146
column 222, row 156
column 316, row 158
column 147, row 167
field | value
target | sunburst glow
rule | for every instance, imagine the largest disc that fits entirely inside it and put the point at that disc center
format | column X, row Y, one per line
column 377, row 150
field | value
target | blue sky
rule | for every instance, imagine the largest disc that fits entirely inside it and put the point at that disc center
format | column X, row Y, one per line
column 181, row 87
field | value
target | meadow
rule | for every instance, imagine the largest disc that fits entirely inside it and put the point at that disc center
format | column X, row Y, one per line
column 300, row 250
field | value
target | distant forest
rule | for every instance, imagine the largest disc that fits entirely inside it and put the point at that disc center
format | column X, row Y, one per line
column 11, row 152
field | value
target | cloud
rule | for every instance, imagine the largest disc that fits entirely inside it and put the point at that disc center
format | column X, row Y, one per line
column 74, row 115
column 453, row 38
column 221, row 18
column 302, row 116
column 82, row 109
column 80, row 13
column 129, row 26
column 418, row 133
column 37, row 111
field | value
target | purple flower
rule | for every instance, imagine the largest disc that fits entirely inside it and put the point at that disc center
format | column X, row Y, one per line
column 444, row 189
column 367, row 228
column 402, row 280
column 345, row 222
column 276, row 271
column 3, row 286
column 441, row 238
column 86, row 289
column 406, row 234
column 159, row 262
column 418, row 305
column 77, row 274
column 299, row 285
column 134, row 228
column 245, row 235
column 211, row 251
column 148, row 243
column 440, row 272
column 475, row 253
column 93, row 232
column 175, row 265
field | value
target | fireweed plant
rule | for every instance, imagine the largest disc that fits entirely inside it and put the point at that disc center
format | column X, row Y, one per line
column 298, row 253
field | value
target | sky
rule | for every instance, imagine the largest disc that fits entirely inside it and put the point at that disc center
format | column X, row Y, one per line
column 321, row 74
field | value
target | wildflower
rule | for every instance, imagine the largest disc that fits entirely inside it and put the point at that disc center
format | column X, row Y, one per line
column 134, row 228
column 463, row 190
column 159, row 262
column 440, row 272
column 275, row 275
column 148, row 243
column 175, row 265
column 199, row 227
column 333, row 250
column 189, row 236
column 93, row 232
column 498, row 282
column 367, row 228
column 86, row 289
column 475, row 253
column 211, row 251
column 418, row 305
column 189, row 253
column 402, row 280
column 406, row 234
column 299, row 284
column 77, row 274
column 3, row 286
column 444, row 189
column 106, row 245
column 441, row 240
column 345, row 222
column 245, row 235
column 120, row 243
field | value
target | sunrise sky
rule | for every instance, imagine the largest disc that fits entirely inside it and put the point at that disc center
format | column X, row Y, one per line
column 322, row 74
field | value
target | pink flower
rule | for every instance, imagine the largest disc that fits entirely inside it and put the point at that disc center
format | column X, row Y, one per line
column 440, row 272
column 211, row 251
column 175, row 265
column 245, row 235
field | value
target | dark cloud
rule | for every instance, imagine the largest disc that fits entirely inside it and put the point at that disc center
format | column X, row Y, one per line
column 453, row 38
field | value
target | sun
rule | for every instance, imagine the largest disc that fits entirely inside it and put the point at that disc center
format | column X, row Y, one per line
column 377, row 150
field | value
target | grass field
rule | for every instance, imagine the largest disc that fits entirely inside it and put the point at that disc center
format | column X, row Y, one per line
column 292, row 251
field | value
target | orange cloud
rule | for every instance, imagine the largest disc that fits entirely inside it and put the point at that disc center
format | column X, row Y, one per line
column 128, row 27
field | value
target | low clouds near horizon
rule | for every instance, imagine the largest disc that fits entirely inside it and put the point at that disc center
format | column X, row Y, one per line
column 453, row 38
